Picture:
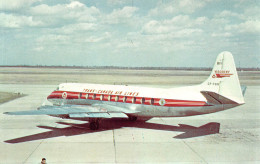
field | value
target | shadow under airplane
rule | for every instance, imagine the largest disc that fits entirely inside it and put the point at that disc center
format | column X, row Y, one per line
column 78, row 129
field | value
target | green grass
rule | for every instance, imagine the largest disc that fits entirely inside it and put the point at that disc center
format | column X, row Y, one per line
column 6, row 96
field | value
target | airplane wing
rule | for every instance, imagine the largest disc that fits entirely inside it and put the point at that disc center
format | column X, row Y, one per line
column 80, row 111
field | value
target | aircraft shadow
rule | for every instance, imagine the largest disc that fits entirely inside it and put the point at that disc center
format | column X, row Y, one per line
column 79, row 129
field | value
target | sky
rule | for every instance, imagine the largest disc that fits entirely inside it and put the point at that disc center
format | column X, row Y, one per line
column 129, row 33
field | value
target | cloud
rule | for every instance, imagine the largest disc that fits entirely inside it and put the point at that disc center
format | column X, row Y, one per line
column 95, row 39
column 180, row 25
column 249, row 26
column 53, row 38
column 44, row 9
column 115, row 2
column 66, row 9
column 61, row 14
column 17, row 21
column 226, row 13
column 38, row 49
column 173, row 7
column 221, row 34
column 6, row 5
column 121, row 15
column 252, row 12
column 76, row 28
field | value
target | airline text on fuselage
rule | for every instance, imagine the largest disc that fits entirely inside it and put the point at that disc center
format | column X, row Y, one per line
column 110, row 92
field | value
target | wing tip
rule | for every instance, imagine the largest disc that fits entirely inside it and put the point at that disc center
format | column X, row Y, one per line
column 10, row 113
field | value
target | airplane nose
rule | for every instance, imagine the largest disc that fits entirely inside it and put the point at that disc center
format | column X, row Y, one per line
column 50, row 96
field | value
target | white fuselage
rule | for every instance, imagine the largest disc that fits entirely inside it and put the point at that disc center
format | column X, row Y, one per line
column 150, row 102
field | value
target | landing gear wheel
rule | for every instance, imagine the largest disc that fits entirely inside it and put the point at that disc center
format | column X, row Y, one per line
column 132, row 118
column 94, row 125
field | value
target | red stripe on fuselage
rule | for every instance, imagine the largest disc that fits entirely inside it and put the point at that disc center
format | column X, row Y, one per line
column 126, row 99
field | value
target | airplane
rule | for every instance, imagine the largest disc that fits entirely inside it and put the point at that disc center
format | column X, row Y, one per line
column 94, row 102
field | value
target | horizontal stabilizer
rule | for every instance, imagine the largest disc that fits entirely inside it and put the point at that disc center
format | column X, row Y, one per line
column 214, row 98
column 243, row 88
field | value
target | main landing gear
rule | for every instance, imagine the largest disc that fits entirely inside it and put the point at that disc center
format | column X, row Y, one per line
column 94, row 124
column 132, row 118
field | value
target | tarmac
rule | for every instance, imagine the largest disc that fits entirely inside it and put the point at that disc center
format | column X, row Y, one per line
column 28, row 139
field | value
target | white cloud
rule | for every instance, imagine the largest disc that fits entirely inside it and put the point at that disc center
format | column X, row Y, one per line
column 44, row 9
column 76, row 28
column 252, row 12
column 181, row 24
column 121, row 15
column 53, row 38
column 78, row 38
column 61, row 13
column 226, row 13
column 173, row 7
column 16, row 21
column 75, row 5
column 38, row 49
column 95, row 39
column 221, row 34
column 249, row 26
column 66, row 9
column 115, row 2
column 15, row 4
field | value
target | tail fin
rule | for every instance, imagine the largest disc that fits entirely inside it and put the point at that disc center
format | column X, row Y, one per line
column 223, row 79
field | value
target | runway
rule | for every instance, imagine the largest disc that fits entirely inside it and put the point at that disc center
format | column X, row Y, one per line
column 27, row 139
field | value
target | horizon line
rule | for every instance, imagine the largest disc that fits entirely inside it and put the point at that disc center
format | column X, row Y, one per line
column 123, row 67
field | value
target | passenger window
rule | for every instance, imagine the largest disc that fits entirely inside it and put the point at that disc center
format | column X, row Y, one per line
column 133, row 100
column 124, row 99
column 94, row 96
column 116, row 98
column 108, row 97
column 142, row 101
column 101, row 97
column 152, row 101
column 86, row 96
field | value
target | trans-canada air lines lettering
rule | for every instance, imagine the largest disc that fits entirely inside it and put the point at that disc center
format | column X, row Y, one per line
column 111, row 92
